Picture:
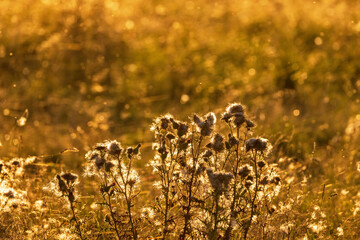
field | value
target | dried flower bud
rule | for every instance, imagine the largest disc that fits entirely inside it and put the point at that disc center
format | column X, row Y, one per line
column 108, row 166
column 9, row 194
column 206, row 129
column 170, row 136
column 218, row 144
column 164, row 123
column 131, row 182
column 62, row 185
column 232, row 140
column 100, row 147
column 248, row 183
column 235, row 108
column 219, row 181
column 130, row 152
column 183, row 144
column 275, row 180
column 264, row 181
column 114, row 148
column 137, row 149
column 182, row 130
column 99, row 162
column 250, row 178
column 256, row 143
column 226, row 116
column 244, row 171
column 261, row 164
column 249, row 124
column 207, row 154
column 15, row 163
column 239, row 119
column 211, row 118
column 198, row 121
column 272, row 209
column 175, row 124
column 69, row 177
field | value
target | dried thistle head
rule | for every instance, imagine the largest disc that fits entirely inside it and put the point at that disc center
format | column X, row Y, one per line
column 108, row 166
column 62, row 185
column 261, row 164
column 249, row 124
column 235, row 108
column 164, row 123
column 264, row 180
column 218, row 143
column 182, row 129
column 219, row 181
column 259, row 144
column 70, row 178
column 245, row 171
column 114, row 148
column 99, row 162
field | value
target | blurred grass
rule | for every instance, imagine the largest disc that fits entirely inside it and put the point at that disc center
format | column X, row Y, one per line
column 89, row 70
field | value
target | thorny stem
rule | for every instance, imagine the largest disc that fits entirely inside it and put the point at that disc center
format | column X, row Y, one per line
column 254, row 197
column 77, row 224
column 113, row 217
column 188, row 206
column 216, row 220
column 127, row 197
column 167, row 182
column 235, row 173
column 108, row 203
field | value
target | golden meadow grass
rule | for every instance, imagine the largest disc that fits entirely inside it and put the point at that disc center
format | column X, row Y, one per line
column 179, row 119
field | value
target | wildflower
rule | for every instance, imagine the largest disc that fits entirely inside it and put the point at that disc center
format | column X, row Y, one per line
column 256, row 143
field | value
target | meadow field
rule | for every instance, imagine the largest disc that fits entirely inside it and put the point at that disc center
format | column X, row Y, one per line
column 194, row 119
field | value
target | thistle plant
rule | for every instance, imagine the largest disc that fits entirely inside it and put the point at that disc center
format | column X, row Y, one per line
column 211, row 186
column 119, row 184
column 213, row 181
column 64, row 186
